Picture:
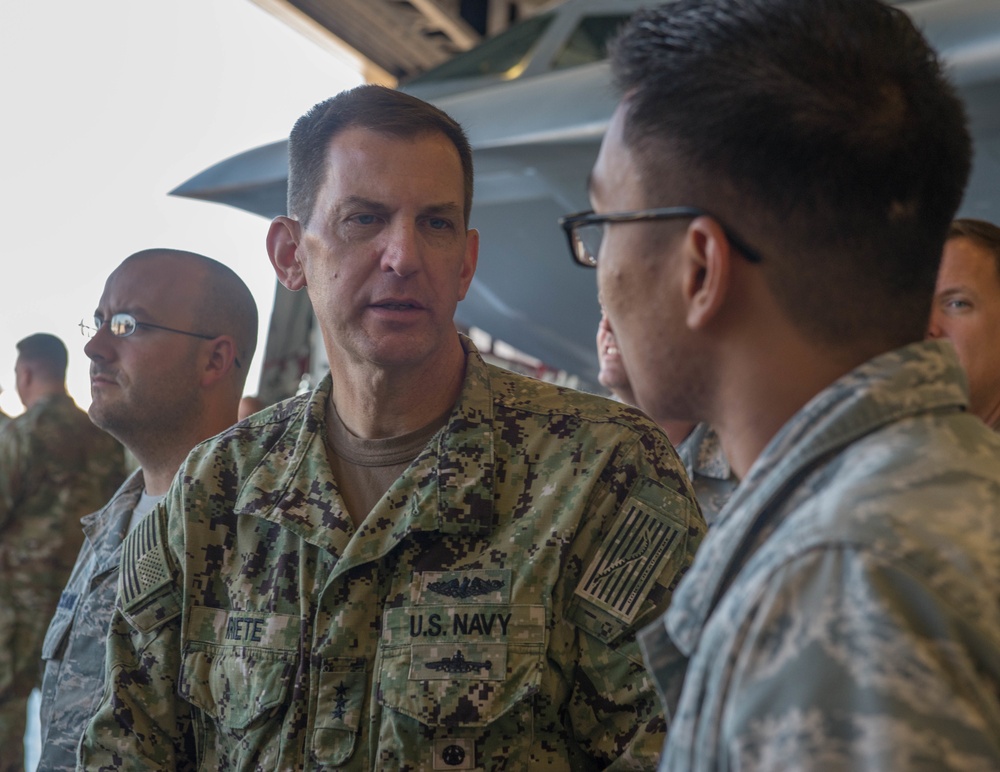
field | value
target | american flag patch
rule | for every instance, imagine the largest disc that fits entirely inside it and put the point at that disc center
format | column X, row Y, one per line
column 143, row 566
column 641, row 541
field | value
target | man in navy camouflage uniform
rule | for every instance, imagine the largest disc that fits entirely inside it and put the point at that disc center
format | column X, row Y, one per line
column 427, row 562
column 774, row 189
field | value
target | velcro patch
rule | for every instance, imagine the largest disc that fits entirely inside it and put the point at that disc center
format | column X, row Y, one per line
column 474, row 587
column 640, row 543
column 478, row 662
column 451, row 624
column 232, row 627
column 144, row 564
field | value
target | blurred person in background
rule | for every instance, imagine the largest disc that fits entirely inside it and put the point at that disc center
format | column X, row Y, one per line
column 4, row 418
column 966, row 310
column 696, row 443
column 55, row 467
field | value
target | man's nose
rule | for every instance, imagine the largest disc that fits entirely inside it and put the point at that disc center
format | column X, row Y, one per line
column 101, row 346
column 402, row 249
column 934, row 328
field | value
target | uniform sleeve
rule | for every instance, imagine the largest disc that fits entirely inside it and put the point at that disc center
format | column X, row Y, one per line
column 652, row 528
column 141, row 724
column 848, row 662
column 11, row 472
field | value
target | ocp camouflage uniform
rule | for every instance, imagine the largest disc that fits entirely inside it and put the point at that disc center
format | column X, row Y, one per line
column 55, row 467
column 711, row 476
column 844, row 611
column 481, row 617
column 74, row 648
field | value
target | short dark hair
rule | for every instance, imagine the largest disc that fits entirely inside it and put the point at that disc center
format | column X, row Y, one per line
column 983, row 233
column 370, row 107
column 823, row 131
column 46, row 354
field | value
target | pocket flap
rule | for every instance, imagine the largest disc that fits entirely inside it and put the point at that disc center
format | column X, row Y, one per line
column 234, row 685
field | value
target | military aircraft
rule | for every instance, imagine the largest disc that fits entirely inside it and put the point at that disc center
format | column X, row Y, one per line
column 535, row 102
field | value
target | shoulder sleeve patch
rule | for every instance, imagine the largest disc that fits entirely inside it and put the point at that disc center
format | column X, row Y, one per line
column 146, row 576
column 637, row 554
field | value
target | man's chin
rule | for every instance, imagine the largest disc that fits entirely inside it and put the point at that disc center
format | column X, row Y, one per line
column 100, row 414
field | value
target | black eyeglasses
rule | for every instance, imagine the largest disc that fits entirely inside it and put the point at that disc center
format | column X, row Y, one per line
column 585, row 230
column 122, row 325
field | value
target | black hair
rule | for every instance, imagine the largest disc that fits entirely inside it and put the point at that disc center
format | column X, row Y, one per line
column 823, row 131
column 47, row 355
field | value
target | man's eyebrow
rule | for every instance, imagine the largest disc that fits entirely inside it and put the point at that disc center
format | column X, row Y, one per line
column 449, row 208
column 139, row 312
column 955, row 289
column 359, row 202
column 350, row 203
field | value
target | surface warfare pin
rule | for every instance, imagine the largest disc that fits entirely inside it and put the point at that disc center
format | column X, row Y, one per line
column 467, row 588
column 459, row 664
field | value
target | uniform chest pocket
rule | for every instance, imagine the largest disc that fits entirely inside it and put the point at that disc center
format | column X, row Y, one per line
column 340, row 687
column 235, row 685
column 452, row 666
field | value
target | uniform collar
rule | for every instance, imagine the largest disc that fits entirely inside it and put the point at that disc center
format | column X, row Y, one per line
column 701, row 453
column 106, row 528
column 918, row 378
column 447, row 488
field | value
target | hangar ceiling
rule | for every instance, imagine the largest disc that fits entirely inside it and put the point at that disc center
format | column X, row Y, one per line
column 398, row 39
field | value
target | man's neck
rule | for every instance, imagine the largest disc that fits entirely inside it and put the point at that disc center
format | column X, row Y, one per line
column 40, row 392
column 162, row 457
column 991, row 415
column 375, row 403
column 766, row 390
column 159, row 473
column 677, row 431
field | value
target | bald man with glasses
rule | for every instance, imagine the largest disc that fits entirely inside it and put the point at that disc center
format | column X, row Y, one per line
column 169, row 345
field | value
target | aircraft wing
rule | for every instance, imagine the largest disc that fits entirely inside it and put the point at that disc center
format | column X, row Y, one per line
column 534, row 142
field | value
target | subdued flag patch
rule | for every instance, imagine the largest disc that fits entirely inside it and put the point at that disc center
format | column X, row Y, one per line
column 641, row 541
column 143, row 565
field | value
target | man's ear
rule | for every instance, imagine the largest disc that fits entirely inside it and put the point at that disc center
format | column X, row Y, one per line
column 26, row 376
column 221, row 359
column 282, row 248
column 707, row 272
column 469, row 261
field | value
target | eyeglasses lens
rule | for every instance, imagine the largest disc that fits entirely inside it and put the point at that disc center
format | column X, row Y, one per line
column 121, row 325
column 588, row 242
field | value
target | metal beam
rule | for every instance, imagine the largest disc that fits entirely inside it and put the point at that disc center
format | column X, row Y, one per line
column 453, row 26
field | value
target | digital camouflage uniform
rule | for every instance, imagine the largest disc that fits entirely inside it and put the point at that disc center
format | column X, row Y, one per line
column 707, row 467
column 844, row 611
column 55, row 467
column 480, row 618
column 74, row 648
